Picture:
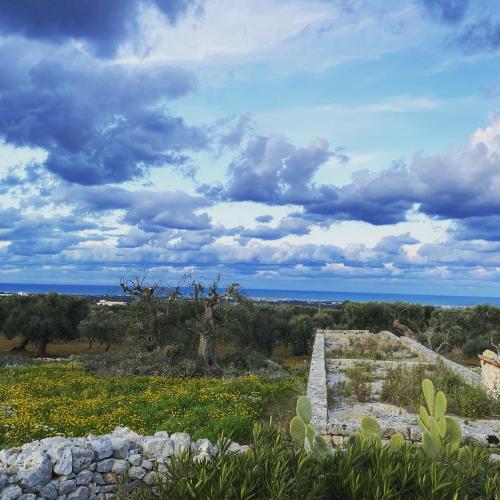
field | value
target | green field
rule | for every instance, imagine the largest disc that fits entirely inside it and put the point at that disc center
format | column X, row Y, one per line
column 62, row 398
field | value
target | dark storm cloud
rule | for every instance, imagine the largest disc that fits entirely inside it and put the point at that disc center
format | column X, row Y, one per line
column 99, row 123
column 447, row 11
column 103, row 24
column 478, row 228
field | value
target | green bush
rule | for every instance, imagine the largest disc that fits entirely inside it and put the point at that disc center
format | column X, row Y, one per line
column 402, row 388
column 166, row 362
column 276, row 469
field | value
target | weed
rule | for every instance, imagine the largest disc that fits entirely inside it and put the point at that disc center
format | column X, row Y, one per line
column 361, row 376
column 402, row 388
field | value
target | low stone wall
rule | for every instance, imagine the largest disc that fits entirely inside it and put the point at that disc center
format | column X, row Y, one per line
column 316, row 386
column 90, row 468
column 433, row 357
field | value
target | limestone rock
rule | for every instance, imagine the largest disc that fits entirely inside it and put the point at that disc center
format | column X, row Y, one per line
column 83, row 454
column 160, row 448
column 81, row 493
column 35, row 469
column 147, row 464
column 204, row 449
column 84, row 477
column 150, row 478
column 135, row 459
column 104, row 465
column 11, row 492
column 98, row 479
column 120, row 466
column 161, row 434
column 102, row 448
column 49, row 491
column 62, row 458
column 126, row 433
column 136, row 473
column 67, row 486
column 181, row 441
column 120, row 447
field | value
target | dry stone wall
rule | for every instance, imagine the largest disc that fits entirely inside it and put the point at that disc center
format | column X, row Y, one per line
column 90, row 468
column 433, row 357
column 316, row 386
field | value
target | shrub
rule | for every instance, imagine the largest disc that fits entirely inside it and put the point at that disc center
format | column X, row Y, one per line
column 360, row 376
column 402, row 388
column 301, row 328
column 166, row 362
column 275, row 469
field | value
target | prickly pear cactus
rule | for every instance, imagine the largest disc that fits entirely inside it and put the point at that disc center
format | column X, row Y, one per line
column 370, row 434
column 439, row 432
column 302, row 430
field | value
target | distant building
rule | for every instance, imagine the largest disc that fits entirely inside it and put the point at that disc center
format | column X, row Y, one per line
column 111, row 303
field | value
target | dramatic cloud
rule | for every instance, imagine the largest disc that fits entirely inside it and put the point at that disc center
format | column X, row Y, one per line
column 151, row 211
column 287, row 227
column 98, row 123
column 270, row 169
column 463, row 183
column 102, row 24
column 38, row 235
column 478, row 228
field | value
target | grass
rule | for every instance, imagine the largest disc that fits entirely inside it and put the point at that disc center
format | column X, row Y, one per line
column 360, row 378
column 63, row 399
column 402, row 387
column 371, row 347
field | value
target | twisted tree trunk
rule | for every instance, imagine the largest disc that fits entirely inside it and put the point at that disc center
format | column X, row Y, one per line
column 206, row 346
column 21, row 347
column 403, row 329
column 41, row 348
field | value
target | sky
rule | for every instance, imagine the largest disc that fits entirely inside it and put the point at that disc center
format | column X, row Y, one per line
column 338, row 145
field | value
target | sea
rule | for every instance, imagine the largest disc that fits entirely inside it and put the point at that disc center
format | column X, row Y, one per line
column 313, row 297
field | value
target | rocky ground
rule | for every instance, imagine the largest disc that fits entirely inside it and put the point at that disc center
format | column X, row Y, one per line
column 344, row 351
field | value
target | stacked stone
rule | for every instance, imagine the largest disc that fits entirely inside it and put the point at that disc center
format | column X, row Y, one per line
column 89, row 468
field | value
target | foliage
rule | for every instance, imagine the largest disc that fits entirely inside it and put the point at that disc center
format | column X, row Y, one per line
column 61, row 398
column 42, row 318
column 360, row 377
column 166, row 361
column 301, row 334
column 402, row 388
column 275, row 469
column 374, row 347
column 104, row 324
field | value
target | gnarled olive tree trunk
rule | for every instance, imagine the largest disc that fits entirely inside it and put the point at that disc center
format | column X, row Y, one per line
column 206, row 346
